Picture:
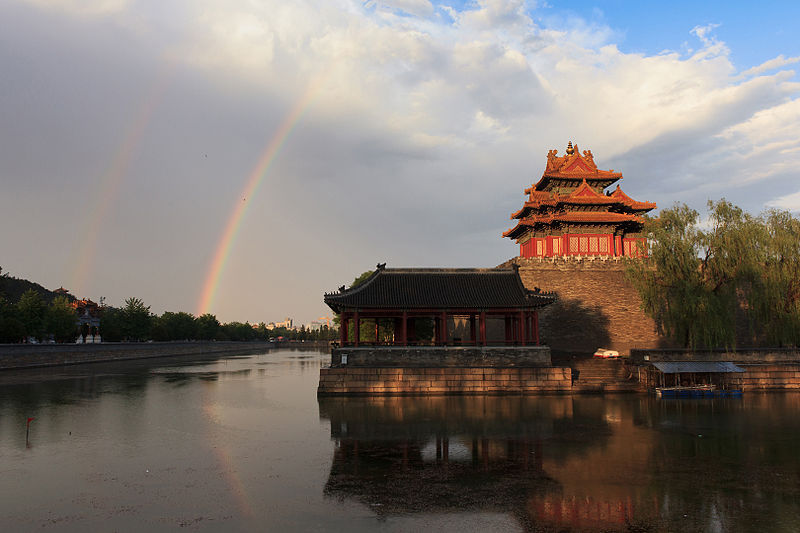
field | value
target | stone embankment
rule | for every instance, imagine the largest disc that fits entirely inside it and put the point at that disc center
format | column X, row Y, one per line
column 40, row 355
column 443, row 380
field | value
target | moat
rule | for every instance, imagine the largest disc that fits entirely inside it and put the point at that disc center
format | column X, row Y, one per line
column 244, row 444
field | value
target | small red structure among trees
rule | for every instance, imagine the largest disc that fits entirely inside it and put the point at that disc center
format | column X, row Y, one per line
column 399, row 297
column 568, row 214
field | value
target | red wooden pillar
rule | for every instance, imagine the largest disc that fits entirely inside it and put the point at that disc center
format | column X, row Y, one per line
column 482, row 327
column 472, row 328
column 507, row 328
column 377, row 332
column 412, row 329
column 357, row 328
column 404, row 330
column 536, row 327
column 444, row 327
column 343, row 328
column 521, row 327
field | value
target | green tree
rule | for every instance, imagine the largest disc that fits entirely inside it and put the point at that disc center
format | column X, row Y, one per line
column 61, row 320
column 30, row 311
column 774, row 292
column 207, row 327
column 11, row 327
column 136, row 320
column 174, row 327
column 694, row 278
column 111, row 324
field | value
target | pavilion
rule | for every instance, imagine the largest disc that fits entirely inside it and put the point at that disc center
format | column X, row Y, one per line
column 400, row 296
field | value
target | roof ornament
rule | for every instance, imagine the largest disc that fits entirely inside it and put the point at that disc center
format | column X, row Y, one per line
column 341, row 289
column 381, row 266
column 570, row 149
column 551, row 160
column 587, row 155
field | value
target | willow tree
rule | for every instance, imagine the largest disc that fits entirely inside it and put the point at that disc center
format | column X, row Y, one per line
column 774, row 295
column 689, row 281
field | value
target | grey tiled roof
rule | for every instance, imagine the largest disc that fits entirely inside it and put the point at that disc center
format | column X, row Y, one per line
column 416, row 288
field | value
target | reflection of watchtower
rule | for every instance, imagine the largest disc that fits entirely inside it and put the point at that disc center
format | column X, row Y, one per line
column 88, row 320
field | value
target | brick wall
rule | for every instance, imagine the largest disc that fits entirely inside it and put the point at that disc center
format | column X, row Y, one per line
column 451, row 380
column 767, row 377
column 430, row 356
column 597, row 306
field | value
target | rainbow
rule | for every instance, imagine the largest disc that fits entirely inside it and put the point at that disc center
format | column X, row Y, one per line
column 112, row 180
column 257, row 176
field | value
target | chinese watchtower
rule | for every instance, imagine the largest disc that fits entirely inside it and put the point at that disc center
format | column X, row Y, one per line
column 567, row 212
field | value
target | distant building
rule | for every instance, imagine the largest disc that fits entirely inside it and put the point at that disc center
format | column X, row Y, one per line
column 288, row 324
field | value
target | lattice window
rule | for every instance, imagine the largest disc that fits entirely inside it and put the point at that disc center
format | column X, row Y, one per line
column 593, row 245
column 556, row 246
column 584, row 245
column 539, row 247
column 603, row 245
column 573, row 244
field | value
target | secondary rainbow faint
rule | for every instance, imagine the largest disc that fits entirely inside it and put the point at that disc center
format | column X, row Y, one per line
column 112, row 179
column 259, row 172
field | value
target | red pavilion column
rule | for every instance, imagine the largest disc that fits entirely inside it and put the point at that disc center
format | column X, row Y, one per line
column 377, row 331
column 536, row 327
column 482, row 327
column 356, row 327
column 343, row 328
column 472, row 329
column 444, row 327
column 521, row 327
column 404, row 330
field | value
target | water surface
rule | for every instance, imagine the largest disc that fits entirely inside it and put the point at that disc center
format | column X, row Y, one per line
column 243, row 444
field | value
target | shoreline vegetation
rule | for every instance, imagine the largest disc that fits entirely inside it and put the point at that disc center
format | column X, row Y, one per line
column 732, row 279
column 31, row 313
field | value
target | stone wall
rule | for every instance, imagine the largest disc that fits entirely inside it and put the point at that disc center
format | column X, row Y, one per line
column 767, row 378
column 748, row 356
column 39, row 355
column 596, row 308
column 451, row 380
column 435, row 356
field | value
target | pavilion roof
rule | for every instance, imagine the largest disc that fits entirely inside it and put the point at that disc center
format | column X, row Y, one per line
column 439, row 288
column 574, row 166
column 580, row 217
column 630, row 202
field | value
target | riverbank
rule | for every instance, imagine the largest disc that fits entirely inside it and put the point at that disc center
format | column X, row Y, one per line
column 42, row 355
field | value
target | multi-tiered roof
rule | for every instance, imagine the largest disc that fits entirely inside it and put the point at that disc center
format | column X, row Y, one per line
column 569, row 200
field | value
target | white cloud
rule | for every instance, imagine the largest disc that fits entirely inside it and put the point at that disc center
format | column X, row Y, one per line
column 426, row 128
column 82, row 7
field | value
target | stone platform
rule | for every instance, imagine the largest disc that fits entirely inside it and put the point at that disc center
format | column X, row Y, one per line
column 443, row 380
column 442, row 356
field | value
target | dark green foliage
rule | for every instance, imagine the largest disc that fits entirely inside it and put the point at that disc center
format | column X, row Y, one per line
column 11, row 328
column 30, row 311
column 174, row 327
column 207, row 327
column 111, row 324
column 694, row 278
column 61, row 320
column 136, row 320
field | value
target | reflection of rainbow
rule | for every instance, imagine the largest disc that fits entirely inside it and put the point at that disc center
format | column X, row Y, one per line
column 225, row 460
column 111, row 181
column 256, row 177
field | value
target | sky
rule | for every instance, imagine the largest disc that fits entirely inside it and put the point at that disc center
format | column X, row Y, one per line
column 244, row 157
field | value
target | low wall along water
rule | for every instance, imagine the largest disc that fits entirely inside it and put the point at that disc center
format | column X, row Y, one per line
column 40, row 355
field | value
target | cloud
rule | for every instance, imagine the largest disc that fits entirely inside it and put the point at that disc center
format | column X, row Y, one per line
column 426, row 126
column 772, row 64
column 82, row 7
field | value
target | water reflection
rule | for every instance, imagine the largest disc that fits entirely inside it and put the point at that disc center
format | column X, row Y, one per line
column 564, row 463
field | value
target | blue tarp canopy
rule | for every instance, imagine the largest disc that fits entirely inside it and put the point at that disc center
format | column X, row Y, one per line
column 680, row 367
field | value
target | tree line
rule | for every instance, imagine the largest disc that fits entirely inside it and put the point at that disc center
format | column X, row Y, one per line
column 31, row 317
column 703, row 277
